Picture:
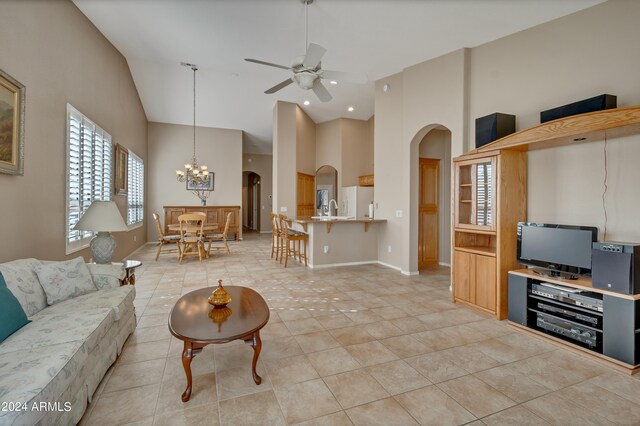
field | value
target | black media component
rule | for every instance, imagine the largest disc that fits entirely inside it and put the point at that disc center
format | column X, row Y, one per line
column 564, row 251
column 597, row 103
column 493, row 127
column 616, row 267
column 567, row 329
column 517, row 295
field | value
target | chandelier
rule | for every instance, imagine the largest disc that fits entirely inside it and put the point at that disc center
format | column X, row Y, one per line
column 196, row 176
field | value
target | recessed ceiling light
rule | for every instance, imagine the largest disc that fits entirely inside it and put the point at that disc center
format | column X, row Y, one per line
column 350, row 109
column 306, row 102
column 333, row 82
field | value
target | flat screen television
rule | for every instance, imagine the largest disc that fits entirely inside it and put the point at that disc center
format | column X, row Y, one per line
column 562, row 251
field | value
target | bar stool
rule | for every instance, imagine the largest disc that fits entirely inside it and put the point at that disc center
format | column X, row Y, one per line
column 289, row 239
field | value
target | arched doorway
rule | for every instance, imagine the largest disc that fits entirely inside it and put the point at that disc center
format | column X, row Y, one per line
column 431, row 196
column 251, row 201
column 326, row 188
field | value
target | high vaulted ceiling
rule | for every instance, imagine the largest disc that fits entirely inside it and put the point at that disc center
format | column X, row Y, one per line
column 377, row 37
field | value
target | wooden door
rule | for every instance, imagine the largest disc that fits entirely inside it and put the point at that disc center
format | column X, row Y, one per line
column 428, row 217
column 463, row 271
column 306, row 195
column 485, row 282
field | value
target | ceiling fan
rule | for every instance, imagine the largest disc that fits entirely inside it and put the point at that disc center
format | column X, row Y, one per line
column 307, row 70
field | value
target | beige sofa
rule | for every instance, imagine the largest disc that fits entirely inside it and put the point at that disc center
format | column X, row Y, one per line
column 51, row 367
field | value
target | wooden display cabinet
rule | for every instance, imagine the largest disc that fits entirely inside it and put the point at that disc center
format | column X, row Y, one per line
column 489, row 202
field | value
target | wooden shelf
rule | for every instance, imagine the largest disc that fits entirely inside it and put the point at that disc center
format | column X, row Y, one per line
column 581, row 283
column 581, row 128
column 465, row 201
column 465, row 184
column 485, row 251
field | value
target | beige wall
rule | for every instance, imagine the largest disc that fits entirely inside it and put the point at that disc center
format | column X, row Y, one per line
column 420, row 98
column 572, row 58
column 329, row 146
column 53, row 49
column 437, row 144
column 357, row 151
column 171, row 146
column 582, row 55
column 284, row 158
column 262, row 165
column 305, row 143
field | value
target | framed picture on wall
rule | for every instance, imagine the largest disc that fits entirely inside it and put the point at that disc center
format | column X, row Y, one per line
column 121, row 170
column 208, row 186
column 12, row 98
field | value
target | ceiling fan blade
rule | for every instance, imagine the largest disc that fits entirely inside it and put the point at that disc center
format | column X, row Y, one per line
column 321, row 92
column 345, row 77
column 279, row 86
column 269, row 64
column 314, row 55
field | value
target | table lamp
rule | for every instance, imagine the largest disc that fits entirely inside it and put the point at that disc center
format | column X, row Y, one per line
column 103, row 217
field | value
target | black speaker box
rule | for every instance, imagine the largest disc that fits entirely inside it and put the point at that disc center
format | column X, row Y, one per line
column 616, row 267
column 493, row 127
column 597, row 103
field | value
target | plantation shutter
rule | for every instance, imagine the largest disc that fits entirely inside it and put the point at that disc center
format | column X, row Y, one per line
column 88, row 172
column 135, row 193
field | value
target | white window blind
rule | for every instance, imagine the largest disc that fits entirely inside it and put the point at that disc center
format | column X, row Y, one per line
column 485, row 195
column 88, row 172
column 135, row 191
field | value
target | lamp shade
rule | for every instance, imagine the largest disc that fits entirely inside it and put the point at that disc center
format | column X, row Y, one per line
column 102, row 216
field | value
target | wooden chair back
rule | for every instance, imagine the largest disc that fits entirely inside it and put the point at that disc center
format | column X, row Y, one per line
column 191, row 226
column 226, row 225
column 156, row 218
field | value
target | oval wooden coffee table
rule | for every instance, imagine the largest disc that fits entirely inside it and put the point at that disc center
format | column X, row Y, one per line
column 192, row 321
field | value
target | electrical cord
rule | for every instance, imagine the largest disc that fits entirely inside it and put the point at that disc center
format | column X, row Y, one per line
column 604, row 193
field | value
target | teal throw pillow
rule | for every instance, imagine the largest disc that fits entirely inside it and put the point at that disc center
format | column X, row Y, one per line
column 12, row 316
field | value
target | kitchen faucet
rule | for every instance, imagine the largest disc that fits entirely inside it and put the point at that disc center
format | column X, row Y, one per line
column 329, row 207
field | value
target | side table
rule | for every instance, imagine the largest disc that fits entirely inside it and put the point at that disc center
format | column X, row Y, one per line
column 130, row 273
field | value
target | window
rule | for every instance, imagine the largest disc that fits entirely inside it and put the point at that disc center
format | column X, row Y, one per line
column 88, row 173
column 135, row 191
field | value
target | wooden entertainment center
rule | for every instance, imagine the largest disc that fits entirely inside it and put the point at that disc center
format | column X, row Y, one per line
column 490, row 198
column 610, row 329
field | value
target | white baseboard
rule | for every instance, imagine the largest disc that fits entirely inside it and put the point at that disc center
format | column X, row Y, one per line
column 403, row 272
column 448, row 265
column 334, row 265
column 265, row 232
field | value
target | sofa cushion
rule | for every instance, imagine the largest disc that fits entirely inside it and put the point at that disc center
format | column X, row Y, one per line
column 64, row 280
column 86, row 326
column 22, row 281
column 106, row 276
column 119, row 299
column 12, row 316
column 36, row 375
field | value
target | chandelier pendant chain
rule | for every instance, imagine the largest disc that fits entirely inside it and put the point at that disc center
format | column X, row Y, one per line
column 194, row 68
column 198, row 179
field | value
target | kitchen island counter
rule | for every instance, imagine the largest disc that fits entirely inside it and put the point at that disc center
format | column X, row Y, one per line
column 338, row 241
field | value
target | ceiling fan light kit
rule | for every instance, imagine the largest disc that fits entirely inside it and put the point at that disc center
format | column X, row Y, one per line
column 307, row 70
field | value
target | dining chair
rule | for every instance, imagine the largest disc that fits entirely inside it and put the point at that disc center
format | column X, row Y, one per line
column 211, row 238
column 191, row 227
column 165, row 239
column 289, row 238
column 275, row 235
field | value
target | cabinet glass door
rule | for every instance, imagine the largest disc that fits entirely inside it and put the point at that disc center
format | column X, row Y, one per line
column 475, row 193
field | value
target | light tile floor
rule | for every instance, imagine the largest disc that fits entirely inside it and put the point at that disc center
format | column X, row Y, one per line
column 360, row 345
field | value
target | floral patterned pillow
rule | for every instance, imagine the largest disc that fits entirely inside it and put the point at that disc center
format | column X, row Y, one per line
column 64, row 280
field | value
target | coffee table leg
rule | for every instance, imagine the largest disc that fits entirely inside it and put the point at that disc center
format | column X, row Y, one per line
column 256, row 344
column 187, row 356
